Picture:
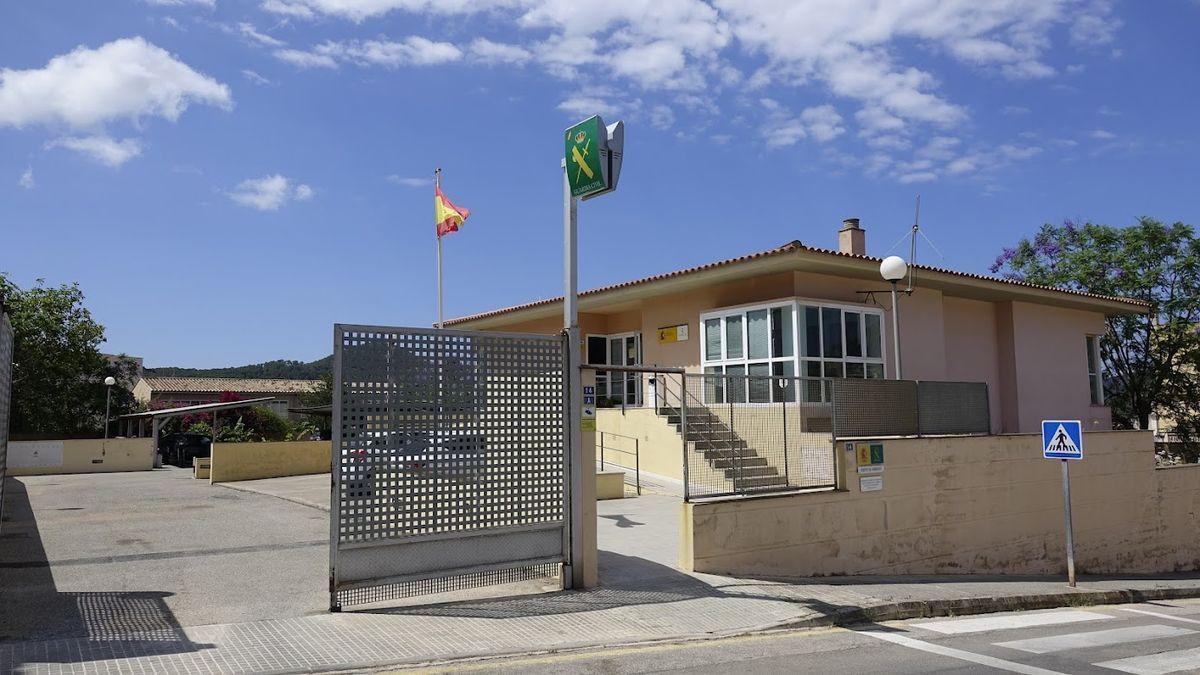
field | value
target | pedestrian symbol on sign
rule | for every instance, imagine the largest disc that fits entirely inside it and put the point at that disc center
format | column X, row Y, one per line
column 1062, row 439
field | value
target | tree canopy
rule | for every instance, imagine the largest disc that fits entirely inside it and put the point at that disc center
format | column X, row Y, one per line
column 1150, row 361
column 58, row 370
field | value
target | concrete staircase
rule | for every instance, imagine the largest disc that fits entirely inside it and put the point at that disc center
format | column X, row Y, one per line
column 725, row 451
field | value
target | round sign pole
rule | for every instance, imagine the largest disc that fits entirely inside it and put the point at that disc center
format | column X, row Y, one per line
column 1066, row 473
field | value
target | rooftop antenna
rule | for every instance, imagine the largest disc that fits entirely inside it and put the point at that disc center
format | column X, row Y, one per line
column 912, row 247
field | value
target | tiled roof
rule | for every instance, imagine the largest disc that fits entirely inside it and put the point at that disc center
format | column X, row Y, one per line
column 233, row 384
column 789, row 248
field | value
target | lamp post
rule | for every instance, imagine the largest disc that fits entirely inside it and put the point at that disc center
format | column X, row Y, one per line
column 893, row 268
column 108, row 383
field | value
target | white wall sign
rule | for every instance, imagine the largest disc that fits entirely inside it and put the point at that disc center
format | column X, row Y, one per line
column 870, row 483
column 35, row 454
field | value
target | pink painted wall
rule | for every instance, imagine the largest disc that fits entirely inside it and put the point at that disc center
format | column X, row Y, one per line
column 1050, row 366
column 971, row 348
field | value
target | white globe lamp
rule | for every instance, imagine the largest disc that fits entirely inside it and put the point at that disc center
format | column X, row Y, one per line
column 108, row 384
column 893, row 268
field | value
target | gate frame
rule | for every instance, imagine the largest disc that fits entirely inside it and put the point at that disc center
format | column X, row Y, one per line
column 572, row 508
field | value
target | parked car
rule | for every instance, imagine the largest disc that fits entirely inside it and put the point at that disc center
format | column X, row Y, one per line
column 180, row 449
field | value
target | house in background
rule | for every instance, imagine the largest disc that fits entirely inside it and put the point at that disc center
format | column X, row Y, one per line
column 801, row 311
column 171, row 392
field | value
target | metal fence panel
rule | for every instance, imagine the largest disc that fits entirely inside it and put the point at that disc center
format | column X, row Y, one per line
column 875, row 408
column 6, row 359
column 953, row 408
column 449, row 461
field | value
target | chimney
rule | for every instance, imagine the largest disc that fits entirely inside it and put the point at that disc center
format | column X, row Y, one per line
column 852, row 239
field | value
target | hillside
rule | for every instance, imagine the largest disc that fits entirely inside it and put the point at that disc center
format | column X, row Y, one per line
column 291, row 370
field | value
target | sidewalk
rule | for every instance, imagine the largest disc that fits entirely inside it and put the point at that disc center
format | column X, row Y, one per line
column 642, row 600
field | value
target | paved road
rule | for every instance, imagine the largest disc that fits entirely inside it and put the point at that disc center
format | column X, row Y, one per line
column 1150, row 639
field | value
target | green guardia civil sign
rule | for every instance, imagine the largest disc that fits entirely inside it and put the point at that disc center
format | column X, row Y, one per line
column 585, row 170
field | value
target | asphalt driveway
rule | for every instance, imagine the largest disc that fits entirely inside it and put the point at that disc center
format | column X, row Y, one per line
column 96, row 555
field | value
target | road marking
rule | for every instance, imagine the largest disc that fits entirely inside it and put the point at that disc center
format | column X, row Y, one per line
column 1157, row 664
column 959, row 654
column 1006, row 622
column 1098, row 638
column 1160, row 615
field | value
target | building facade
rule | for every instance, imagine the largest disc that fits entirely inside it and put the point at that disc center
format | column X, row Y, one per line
column 802, row 311
column 172, row 392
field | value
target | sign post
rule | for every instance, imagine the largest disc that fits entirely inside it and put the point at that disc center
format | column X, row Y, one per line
column 591, row 166
column 1063, row 440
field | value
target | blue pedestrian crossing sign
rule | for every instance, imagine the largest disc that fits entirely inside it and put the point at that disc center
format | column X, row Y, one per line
column 1062, row 439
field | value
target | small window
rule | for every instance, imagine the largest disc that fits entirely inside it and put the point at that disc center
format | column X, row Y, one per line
column 853, row 334
column 712, row 339
column 831, row 324
column 812, row 332
column 874, row 337
column 757, row 334
column 1095, row 372
column 733, row 337
column 781, row 331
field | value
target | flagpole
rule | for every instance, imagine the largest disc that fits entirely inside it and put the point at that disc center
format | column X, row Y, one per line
column 437, row 183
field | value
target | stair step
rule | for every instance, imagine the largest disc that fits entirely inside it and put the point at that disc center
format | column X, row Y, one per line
column 741, row 473
column 759, row 483
column 728, row 453
column 742, row 462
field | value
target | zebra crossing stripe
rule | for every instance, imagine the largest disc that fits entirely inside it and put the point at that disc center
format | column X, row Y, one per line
column 1098, row 638
column 1157, row 664
column 1009, row 621
column 961, row 655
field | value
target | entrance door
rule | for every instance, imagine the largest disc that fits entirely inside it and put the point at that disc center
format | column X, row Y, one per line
column 615, row 388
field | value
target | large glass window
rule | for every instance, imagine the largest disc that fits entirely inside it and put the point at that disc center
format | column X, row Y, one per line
column 785, row 339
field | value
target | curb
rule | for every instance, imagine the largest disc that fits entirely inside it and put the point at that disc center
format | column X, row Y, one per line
column 295, row 500
column 922, row 609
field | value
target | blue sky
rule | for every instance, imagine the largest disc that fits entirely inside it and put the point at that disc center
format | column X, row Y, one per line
column 227, row 179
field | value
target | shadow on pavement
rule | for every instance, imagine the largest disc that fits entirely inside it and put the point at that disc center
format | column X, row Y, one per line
column 40, row 624
column 627, row 580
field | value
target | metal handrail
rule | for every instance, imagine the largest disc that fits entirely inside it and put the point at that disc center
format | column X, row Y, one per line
column 637, row 456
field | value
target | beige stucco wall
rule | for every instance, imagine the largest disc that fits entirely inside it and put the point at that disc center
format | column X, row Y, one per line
column 88, row 455
column 964, row 505
column 659, row 446
column 248, row 461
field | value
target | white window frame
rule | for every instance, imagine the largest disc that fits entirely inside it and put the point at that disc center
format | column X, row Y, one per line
column 607, row 375
column 1092, row 345
column 796, row 303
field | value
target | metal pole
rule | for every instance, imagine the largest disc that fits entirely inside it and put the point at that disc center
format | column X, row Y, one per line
column 683, row 426
column 896, row 328
column 1066, row 473
column 437, row 183
column 573, row 570
column 107, row 404
column 637, row 463
column 786, row 472
column 601, row 450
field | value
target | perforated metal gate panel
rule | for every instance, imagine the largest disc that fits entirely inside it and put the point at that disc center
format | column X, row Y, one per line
column 449, row 464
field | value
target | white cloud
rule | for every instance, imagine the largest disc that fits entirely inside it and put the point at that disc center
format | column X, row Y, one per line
column 1102, row 135
column 303, row 59
column 498, row 52
column 410, row 182
column 586, row 106
column 823, row 122
column 657, row 64
column 917, row 177
column 781, row 128
column 126, row 78
column 287, row 8
column 411, row 51
column 107, row 151
column 255, row 77
column 1094, row 25
column 939, row 148
column 662, row 117
column 26, row 180
column 248, row 31
column 1014, row 110
column 269, row 192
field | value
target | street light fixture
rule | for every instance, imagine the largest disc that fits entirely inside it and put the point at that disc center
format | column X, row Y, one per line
column 893, row 268
column 108, row 383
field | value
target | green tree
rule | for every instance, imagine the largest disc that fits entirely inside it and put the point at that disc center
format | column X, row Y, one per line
column 1151, row 360
column 58, row 370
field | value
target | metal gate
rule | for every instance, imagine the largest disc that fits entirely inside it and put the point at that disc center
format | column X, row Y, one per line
column 449, row 461
column 6, row 354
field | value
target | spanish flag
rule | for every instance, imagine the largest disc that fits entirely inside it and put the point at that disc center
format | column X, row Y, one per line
column 446, row 216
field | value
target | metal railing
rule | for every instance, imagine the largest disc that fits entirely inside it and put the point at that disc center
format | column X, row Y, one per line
column 745, row 434
column 605, row 438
